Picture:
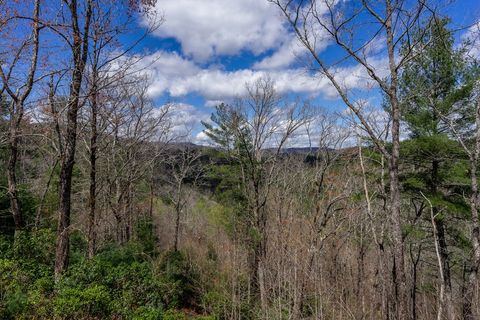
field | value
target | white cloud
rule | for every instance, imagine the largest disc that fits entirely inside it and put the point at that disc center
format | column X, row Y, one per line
column 172, row 74
column 221, row 27
column 288, row 52
column 292, row 49
column 322, row 129
column 473, row 36
column 201, row 138
column 185, row 118
column 212, row 103
column 163, row 67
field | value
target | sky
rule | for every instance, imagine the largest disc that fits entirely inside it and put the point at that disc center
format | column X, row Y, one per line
column 206, row 51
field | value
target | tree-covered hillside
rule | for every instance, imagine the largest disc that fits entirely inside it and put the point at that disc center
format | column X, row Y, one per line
column 289, row 209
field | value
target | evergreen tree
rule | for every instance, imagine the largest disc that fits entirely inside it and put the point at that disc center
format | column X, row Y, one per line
column 429, row 95
column 229, row 130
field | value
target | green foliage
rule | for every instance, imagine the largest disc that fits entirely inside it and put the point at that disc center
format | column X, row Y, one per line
column 28, row 205
column 119, row 282
column 227, row 122
column 76, row 303
column 148, row 313
column 217, row 214
column 174, row 315
column 14, row 296
column 429, row 81
column 179, row 280
column 145, row 231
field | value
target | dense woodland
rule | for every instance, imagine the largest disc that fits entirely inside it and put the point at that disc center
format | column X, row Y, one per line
column 106, row 212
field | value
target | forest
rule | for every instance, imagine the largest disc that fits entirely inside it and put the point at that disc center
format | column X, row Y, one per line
column 294, row 209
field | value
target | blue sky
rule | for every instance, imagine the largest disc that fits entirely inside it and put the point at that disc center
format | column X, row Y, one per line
column 205, row 52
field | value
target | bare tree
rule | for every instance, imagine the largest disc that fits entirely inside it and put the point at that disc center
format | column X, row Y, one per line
column 473, row 277
column 78, row 42
column 393, row 22
column 256, row 129
column 442, row 304
column 182, row 171
column 326, row 199
column 472, row 149
column 108, row 66
column 19, row 91
column 77, row 20
column 134, row 126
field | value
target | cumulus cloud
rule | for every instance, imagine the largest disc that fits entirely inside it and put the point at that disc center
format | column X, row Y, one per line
column 473, row 36
column 201, row 138
column 212, row 103
column 286, row 54
column 221, row 27
column 177, row 76
column 292, row 50
column 321, row 130
column 185, row 119
column 163, row 67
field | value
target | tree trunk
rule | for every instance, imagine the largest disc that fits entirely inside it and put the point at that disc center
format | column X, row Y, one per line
column 415, row 262
column 395, row 199
column 13, row 190
column 16, row 115
column 257, row 278
column 260, row 251
column 93, row 172
column 177, row 228
column 68, row 161
column 472, row 281
column 79, row 52
column 261, row 287
column 62, row 245
column 444, row 261
column 398, row 243
column 442, row 245
column 11, row 173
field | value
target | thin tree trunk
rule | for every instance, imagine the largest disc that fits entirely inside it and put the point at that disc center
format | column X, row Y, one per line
column 152, row 195
column 16, row 116
column 472, row 281
column 440, row 261
column 44, row 194
column 440, row 237
column 79, row 51
column 398, row 243
column 415, row 262
column 128, row 212
column 177, row 228
column 261, row 287
column 93, row 170
column 11, row 173
column 395, row 199
column 443, row 254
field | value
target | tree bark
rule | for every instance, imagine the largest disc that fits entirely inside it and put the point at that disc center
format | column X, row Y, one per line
column 395, row 207
column 177, row 229
column 93, row 169
column 442, row 246
column 472, row 281
column 79, row 52
column 12, row 176
column 16, row 116
column 395, row 199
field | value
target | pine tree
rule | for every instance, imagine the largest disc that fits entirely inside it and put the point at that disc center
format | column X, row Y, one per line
column 429, row 95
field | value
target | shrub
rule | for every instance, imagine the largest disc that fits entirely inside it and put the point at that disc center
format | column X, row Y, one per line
column 148, row 313
column 77, row 303
column 174, row 315
column 178, row 280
